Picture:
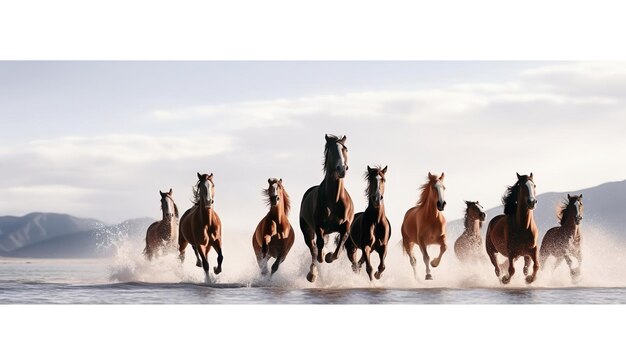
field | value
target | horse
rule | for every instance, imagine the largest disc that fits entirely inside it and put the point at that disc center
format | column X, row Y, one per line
column 162, row 234
column 469, row 245
column 425, row 224
column 201, row 227
column 514, row 233
column 371, row 229
column 327, row 208
column 564, row 242
column 274, row 235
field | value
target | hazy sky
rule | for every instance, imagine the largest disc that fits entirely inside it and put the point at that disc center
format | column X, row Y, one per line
column 100, row 139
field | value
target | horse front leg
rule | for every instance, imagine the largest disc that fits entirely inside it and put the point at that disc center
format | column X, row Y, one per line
column 491, row 252
column 382, row 253
column 442, row 248
column 531, row 278
column 426, row 261
column 368, row 264
column 343, row 236
column 217, row 245
column 312, row 275
column 526, row 264
column 198, row 258
column 507, row 278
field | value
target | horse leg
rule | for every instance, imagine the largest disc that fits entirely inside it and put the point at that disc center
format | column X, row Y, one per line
column 572, row 271
column 202, row 251
column 261, row 261
column 343, row 236
column 382, row 253
column 533, row 255
column 368, row 264
column 198, row 259
column 182, row 245
column 526, row 264
column 217, row 245
column 312, row 275
column 491, row 252
column 351, row 251
column 507, row 278
column 426, row 259
column 442, row 248
column 319, row 241
column 412, row 260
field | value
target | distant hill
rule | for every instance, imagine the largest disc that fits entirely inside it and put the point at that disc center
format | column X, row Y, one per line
column 51, row 235
column 604, row 209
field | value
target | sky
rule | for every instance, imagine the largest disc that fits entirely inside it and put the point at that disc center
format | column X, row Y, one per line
column 100, row 139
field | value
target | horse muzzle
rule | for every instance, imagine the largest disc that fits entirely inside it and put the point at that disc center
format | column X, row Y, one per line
column 341, row 171
column 579, row 219
column 532, row 204
column 441, row 205
column 274, row 200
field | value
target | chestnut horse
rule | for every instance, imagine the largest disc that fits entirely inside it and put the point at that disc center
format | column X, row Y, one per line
column 564, row 242
column 371, row 229
column 327, row 208
column 163, row 233
column 468, row 247
column 274, row 234
column 514, row 233
column 425, row 224
column 201, row 227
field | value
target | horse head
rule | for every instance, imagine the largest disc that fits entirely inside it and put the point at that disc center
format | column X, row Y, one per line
column 205, row 192
column 474, row 211
column 439, row 189
column 336, row 156
column 576, row 202
column 527, row 191
column 275, row 190
column 168, row 207
column 376, row 185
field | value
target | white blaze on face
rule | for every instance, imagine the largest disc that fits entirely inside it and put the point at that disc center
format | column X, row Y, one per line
column 439, row 188
column 341, row 161
column 169, row 206
column 209, row 191
column 531, row 190
column 273, row 190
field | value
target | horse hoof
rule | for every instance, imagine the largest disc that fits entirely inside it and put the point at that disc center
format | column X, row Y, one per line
column 311, row 277
column 434, row 263
column 377, row 275
column 530, row 279
column 217, row 270
column 198, row 264
column 506, row 279
column 329, row 258
column 429, row 277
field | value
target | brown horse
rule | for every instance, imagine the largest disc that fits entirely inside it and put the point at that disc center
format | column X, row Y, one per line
column 468, row 247
column 425, row 224
column 201, row 227
column 163, row 233
column 274, row 235
column 371, row 229
column 564, row 242
column 327, row 208
column 514, row 233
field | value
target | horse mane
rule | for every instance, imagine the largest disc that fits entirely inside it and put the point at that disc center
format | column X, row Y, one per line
column 331, row 139
column 509, row 199
column 286, row 199
column 175, row 209
column 196, row 193
column 562, row 215
column 426, row 188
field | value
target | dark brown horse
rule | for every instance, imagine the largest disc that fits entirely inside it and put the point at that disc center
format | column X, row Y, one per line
column 201, row 227
column 425, row 224
column 162, row 234
column 514, row 233
column 469, row 246
column 327, row 208
column 371, row 229
column 564, row 242
column 274, row 235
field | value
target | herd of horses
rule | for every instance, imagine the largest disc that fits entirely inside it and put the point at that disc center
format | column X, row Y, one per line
column 327, row 208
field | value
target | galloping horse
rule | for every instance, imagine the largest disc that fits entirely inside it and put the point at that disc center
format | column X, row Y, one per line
column 425, row 224
column 514, row 233
column 327, row 208
column 201, row 227
column 274, row 234
column 371, row 229
column 468, row 247
column 163, row 233
column 564, row 242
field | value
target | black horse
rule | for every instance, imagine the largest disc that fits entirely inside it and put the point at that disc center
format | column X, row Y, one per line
column 327, row 208
column 371, row 229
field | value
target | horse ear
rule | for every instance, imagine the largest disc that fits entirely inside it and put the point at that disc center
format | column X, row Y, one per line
column 199, row 176
column 211, row 176
column 280, row 180
column 343, row 139
column 569, row 197
column 581, row 196
column 518, row 176
column 430, row 175
column 269, row 180
column 368, row 169
column 326, row 137
column 531, row 175
column 384, row 170
column 442, row 175
column 170, row 192
column 162, row 193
